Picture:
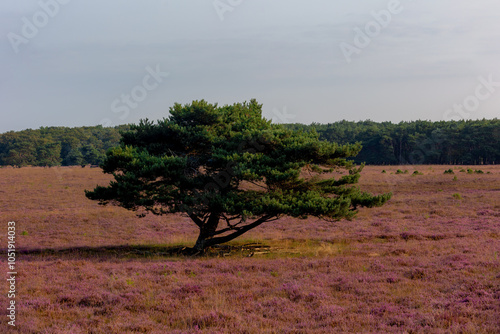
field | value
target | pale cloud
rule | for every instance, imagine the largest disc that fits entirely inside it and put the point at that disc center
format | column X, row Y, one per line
column 284, row 53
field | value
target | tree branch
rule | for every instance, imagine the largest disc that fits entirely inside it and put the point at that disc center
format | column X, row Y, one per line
column 228, row 221
column 229, row 226
column 240, row 231
column 258, row 185
column 196, row 220
column 227, row 229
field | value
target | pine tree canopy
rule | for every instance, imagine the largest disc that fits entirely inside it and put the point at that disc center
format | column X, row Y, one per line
column 230, row 170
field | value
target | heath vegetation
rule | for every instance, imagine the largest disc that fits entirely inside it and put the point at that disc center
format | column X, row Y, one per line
column 425, row 262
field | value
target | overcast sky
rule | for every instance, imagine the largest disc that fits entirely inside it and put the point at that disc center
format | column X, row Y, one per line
column 89, row 62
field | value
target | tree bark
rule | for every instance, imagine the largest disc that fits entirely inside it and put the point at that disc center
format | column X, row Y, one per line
column 207, row 230
column 205, row 238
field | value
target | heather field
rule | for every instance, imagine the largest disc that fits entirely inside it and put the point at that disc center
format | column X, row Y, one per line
column 426, row 262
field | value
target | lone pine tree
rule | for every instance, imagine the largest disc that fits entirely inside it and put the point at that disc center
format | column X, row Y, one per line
column 230, row 170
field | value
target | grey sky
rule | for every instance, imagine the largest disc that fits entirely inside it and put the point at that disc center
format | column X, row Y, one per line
column 88, row 55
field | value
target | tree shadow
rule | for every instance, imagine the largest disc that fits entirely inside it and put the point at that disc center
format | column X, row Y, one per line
column 138, row 252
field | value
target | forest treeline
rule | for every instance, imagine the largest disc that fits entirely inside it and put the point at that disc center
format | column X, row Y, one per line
column 54, row 146
column 470, row 142
column 418, row 142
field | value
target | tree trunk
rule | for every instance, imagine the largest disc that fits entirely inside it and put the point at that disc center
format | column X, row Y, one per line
column 207, row 231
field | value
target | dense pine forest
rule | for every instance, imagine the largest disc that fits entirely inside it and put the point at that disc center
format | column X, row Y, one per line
column 418, row 142
column 54, row 146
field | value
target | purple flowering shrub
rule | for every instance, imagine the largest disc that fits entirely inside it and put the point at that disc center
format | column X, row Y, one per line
column 423, row 263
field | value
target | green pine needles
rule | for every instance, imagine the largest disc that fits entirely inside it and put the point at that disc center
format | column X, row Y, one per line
column 230, row 170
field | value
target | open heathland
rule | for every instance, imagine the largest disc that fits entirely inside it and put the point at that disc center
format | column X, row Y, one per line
column 426, row 262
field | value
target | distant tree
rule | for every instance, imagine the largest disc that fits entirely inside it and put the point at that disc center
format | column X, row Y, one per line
column 49, row 146
column 19, row 149
column 74, row 157
column 91, row 155
column 230, row 170
column 444, row 142
column 48, row 154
